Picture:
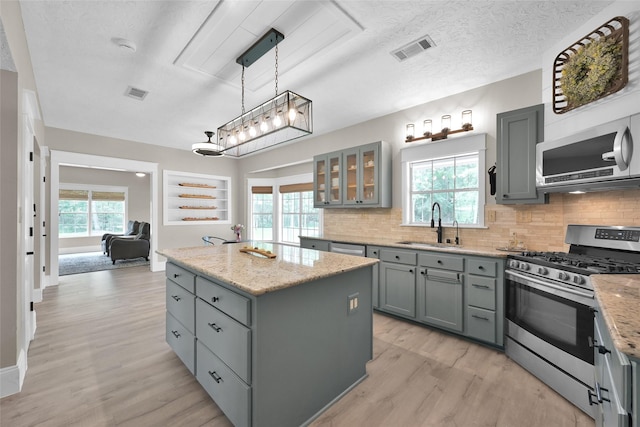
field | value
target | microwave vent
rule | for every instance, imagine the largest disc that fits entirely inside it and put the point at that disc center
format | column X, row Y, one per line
column 136, row 93
column 414, row 48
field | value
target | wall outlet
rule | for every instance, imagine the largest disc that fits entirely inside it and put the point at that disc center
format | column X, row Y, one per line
column 491, row 216
column 352, row 303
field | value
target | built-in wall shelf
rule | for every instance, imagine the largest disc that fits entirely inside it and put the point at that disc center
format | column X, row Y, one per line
column 196, row 198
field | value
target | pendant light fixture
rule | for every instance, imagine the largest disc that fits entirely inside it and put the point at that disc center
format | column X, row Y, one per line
column 283, row 118
column 207, row 149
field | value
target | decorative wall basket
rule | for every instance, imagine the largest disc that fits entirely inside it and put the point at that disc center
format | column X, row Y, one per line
column 594, row 67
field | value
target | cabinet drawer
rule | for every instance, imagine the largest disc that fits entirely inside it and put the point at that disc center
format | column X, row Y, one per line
column 182, row 342
column 399, row 257
column 235, row 305
column 231, row 395
column 481, row 292
column 225, row 337
column 483, row 267
column 319, row 245
column 446, row 262
column 181, row 276
column 181, row 304
column 481, row 324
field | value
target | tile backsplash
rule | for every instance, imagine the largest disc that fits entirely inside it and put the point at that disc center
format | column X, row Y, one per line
column 538, row 227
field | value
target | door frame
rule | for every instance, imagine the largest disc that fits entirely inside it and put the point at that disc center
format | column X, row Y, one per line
column 59, row 158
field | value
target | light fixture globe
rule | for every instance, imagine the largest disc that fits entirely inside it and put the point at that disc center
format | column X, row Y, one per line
column 207, row 149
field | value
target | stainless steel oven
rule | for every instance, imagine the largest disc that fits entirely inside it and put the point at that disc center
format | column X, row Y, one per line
column 550, row 300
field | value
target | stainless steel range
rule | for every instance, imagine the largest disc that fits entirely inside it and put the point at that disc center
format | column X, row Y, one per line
column 550, row 302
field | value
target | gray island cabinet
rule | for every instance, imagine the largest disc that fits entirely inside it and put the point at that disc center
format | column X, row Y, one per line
column 274, row 342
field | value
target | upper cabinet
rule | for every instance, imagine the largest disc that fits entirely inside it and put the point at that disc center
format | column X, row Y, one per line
column 518, row 132
column 355, row 177
column 327, row 181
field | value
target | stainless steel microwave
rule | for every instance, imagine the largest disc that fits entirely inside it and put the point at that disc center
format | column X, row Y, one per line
column 599, row 157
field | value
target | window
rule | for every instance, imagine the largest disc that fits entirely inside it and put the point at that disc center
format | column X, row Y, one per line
column 262, row 212
column 449, row 175
column 451, row 182
column 298, row 214
column 286, row 217
column 91, row 210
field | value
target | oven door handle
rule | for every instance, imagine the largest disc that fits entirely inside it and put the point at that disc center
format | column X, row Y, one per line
column 550, row 287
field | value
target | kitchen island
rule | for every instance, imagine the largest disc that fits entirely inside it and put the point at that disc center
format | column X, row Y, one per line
column 273, row 341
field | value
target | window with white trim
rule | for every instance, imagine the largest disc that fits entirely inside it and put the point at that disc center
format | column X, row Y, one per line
column 283, row 218
column 450, row 176
column 91, row 210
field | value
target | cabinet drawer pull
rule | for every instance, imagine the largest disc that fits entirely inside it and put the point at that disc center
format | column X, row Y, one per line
column 176, row 275
column 480, row 317
column 176, row 297
column 175, row 334
column 423, row 272
column 217, row 378
column 480, row 267
column 214, row 327
column 439, row 261
column 215, row 299
column 475, row 285
column 397, row 257
column 411, row 270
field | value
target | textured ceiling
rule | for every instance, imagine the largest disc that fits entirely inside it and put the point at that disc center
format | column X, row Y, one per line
column 82, row 76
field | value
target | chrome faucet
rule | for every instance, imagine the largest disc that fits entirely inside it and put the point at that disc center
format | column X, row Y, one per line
column 455, row 222
column 439, row 230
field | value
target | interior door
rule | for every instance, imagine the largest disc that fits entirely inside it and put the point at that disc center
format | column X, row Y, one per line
column 28, row 215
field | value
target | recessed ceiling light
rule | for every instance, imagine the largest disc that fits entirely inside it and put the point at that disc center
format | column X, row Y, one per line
column 141, row 174
column 124, row 44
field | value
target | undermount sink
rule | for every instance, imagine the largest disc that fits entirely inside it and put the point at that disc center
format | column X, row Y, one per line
column 428, row 245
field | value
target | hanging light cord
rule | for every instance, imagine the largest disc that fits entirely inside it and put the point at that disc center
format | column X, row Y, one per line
column 276, row 70
column 243, row 90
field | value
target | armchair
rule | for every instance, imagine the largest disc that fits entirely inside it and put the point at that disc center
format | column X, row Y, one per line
column 132, row 230
column 128, row 247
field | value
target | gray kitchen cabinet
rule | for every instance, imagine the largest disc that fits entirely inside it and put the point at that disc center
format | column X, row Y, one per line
column 440, row 290
column 518, row 132
column 327, row 180
column 317, row 244
column 256, row 354
column 374, row 252
column 360, row 178
column 180, row 314
column 484, row 290
column 398, row 282
column 615, row 384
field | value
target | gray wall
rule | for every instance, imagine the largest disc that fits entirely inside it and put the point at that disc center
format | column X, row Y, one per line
column 170, row 236
column 138, row 197
column 486, row 102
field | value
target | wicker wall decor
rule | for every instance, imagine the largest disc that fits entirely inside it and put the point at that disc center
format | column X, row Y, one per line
column 594, row 67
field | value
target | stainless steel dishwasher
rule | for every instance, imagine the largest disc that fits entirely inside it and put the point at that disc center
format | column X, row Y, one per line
column 347, row 249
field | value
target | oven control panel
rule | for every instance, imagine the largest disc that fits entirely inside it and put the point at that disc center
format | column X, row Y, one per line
column 623, row 235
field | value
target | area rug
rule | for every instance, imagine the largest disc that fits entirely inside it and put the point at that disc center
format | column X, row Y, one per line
column 93, row 261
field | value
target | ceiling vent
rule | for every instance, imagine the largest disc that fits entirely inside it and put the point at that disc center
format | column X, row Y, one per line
column 136, row 93
column 413, row 48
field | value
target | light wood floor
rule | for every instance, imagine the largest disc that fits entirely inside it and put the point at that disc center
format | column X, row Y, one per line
column 99, row 358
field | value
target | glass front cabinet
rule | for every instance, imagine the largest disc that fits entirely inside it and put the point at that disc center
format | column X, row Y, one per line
column 356, row 177
column 327, row 172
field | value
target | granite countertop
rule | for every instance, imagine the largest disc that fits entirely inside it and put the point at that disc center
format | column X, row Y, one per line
column 619, row 298
column 257, row 275
column 425, row 246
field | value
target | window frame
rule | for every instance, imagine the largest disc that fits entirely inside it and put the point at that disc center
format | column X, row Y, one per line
column 448, row 148
column 91, row 188
column 275, row 183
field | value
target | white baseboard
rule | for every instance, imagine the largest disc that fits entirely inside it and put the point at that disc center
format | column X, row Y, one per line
column 79, row 249
column 12, row 377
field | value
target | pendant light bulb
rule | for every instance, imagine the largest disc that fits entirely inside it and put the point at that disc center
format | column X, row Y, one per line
column 233, row 140
column 252, row 131
column 277, row 120
column 242, row 136
column 292, row 114
column 264, row 126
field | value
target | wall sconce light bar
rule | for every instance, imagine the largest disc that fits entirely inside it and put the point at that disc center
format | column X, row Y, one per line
column 444, row 132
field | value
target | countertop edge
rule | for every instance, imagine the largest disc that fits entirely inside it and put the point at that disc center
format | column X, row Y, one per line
column 618, row 296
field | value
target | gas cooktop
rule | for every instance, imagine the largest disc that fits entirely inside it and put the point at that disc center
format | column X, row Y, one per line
column 581, row 263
